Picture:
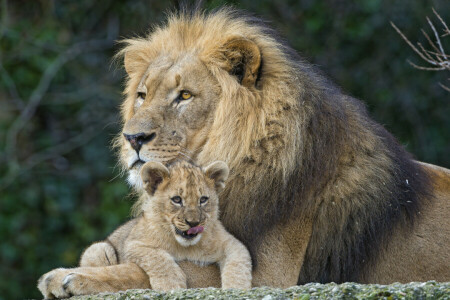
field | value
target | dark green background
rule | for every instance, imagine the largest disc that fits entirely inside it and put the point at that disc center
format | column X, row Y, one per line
column 59, row 187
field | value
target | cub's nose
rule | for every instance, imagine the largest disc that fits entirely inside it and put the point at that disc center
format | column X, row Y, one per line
column 192, row 223
column 139, row 139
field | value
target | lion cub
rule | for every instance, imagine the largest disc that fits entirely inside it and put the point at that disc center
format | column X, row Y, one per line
column 180, row 222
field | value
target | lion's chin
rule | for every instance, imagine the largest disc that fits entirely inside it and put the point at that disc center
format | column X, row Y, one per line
column 134, row 178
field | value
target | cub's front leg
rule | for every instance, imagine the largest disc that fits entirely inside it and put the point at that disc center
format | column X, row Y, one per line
column 164, row 273
column 236, row 265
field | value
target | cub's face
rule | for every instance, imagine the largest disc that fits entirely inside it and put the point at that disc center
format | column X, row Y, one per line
column 185, row 196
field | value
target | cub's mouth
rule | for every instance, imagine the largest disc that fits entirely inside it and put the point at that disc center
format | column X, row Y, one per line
column 191, row 233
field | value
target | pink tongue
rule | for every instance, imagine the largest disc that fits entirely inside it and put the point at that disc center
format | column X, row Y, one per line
column 195, row 230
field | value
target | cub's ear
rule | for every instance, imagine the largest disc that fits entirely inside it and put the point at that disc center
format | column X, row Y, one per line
column 218, row 171
column 242, row 59
column 152, row 174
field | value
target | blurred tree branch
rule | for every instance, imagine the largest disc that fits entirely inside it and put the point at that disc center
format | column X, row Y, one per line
column 60, row 149
column 13, row 91
column 436, row 57
column 4, row 16
column 44, row 83
column 28, row 109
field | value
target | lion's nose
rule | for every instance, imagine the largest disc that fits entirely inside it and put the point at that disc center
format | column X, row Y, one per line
column 137, row 140
column 192, row 223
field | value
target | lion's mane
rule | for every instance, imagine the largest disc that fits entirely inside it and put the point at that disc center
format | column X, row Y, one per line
column 297, row 147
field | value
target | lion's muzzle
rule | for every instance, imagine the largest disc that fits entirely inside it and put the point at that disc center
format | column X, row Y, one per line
column 137, row 140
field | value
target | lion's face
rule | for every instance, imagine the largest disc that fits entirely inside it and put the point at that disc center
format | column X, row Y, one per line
column 184, row 196
column 175, row 85
column 172, row 114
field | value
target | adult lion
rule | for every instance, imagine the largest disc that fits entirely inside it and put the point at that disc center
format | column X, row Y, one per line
column 318, row 190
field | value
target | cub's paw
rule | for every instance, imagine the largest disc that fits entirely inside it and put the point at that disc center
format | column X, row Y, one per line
column 50, row 284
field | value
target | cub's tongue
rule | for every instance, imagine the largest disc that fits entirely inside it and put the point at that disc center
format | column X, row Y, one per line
column 195, row 230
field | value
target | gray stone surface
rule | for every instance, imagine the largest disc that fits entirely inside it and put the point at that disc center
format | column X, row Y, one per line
column 414, row 290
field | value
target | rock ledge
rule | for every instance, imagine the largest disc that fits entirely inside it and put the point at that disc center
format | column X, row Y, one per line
column 413, row 290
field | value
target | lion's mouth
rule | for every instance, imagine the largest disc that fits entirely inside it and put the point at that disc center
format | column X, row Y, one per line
column 191, row 233
column 137, row 164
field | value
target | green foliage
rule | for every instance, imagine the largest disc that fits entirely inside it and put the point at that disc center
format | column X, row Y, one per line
column 59, row 189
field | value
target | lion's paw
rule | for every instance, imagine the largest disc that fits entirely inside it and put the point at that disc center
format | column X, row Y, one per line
column 50, row 284
column 64, row 283
column 78, row 284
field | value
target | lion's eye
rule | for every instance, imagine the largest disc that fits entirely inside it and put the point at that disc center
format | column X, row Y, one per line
column 140, row 98
column 185, row 95
column 203, row 200
column 141, row 95
column 176, row 199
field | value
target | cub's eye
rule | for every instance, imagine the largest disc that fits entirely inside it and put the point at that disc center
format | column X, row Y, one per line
column 203, row 200
column 185, row 95
column 176, row 199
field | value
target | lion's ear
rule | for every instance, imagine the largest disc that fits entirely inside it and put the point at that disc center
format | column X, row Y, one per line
column 152, row 174
column 243, row 60
column 134, row 59
column 131, row 61
column 218, row 171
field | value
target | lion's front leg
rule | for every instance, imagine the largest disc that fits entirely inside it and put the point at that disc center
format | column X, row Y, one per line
column 63, row 283
column 281, row 254
column 99, row 255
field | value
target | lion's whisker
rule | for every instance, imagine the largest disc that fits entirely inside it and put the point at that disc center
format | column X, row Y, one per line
column 185, row 155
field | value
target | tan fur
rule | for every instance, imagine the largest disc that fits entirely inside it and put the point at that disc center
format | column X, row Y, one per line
column 64, row 283
column 150, row 243
column 289, row 134
column 417, row 254
column 318, row 191
column 153, row 243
